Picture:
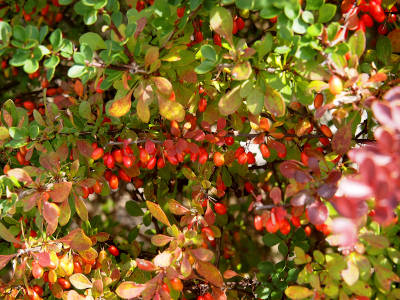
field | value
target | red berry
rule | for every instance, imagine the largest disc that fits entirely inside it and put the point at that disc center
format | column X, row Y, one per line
column 235, row 27
column 307, row 230
column 382, row 29
column 242, row 158
column 98, row 89
column 265, row 151
column 207, row 296
column 199, row 37
column 220, row 209
column 240, row 23
column 218, row 159
column 251, row 160
column 258, row 223
column 160, row 163
column 113, row 250
column 177, row 284
column 127, row 161
column 202, row 105
column 113, row 182
column 217, row 40
column 271, row 227
column 361, row 26
column 335, row 85
column 97, row 153
column 249, row 187
column 229, row 141
column 367, row 20
column 180, row 12
column 152, row 163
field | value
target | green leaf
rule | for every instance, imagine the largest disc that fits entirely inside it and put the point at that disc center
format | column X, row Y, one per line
column 77, row 71
column 205, row 67
column 384, row 49
column 241, row 71
column 274, row 102
column 292, row 11
column 266, row 267
column 171, row 110
column 315, row 29
column 314, row 4
column 94, row 40
column 133, row 209
column 222, row 23
column 326, row 13
column 283, row 249
column 209, row 53
column 376, row 241
column 271, row 239
column 230, row 102
column 263, row 292
column 357, row 43
column 269, row 12
column 255, row 101
column 189, row 174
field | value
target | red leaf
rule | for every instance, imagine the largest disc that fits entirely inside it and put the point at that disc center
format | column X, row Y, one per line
column 209, row 216
column 130, row 289
column 327, row 190
column 158, row 213
column 206, row 126
column 62, row 152
column 168, row 144
column 84, row 147
column 228, row 274
column 149, row 147
column 50, row 214
column 200, row 136
column 43, row 258
column 60, row 191
column 77, row 240
column 221, row 123
column 193, row 147
column 301, row 198
column 210, row 272
column 279, row 147
column 288, row 168
column 89, row 182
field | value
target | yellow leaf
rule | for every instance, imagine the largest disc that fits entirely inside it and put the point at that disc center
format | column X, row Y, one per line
column 121, row 106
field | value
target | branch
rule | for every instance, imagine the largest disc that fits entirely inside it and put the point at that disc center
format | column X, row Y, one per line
column 121, row 38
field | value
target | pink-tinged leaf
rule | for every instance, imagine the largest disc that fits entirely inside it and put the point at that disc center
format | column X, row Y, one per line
column 288, row 168
column 158, row 213
column 176, row 208
column 206, row 126
column 189, row 134
column 77, row 240
column 73, row 295
column 65, row 213
column 45, row 162
column 84, row 147
column 146, row 265
column 81, row 209
column 130, row 289
column 186, row 268
column 172, row 273
column 384, row 276
column 43, row 258
column 301, row 198
column 141, row 24
column 351, row 274
column 62, row 152
column 393, row 94
column 80, row 281
column 89, row 182
column 209, row 216
column 221, row 123
column 60, row 191
column 54, row 159
column 20, row 175
column 4, row 259
column 302, row 176
column 349, row 208
column 341, row 141
column 122, row 106
column 7, row 235
column 298, row 292
column 149, row 147
column 321, row 111
column 163, row 260
column 228, row 274
column 311, row 152
column 30, row 201
column 97, row 289
column 50, row 214
column 202, row 254
column 313, row 164
column 199, row 135
column 327, row 190
column 290, row 190
column 382, row 112
column 276, row 195
column 218, row 294
column 317, row 213
column 210, row 137
column 160, row 240
column 210, row 272
column 354, row 188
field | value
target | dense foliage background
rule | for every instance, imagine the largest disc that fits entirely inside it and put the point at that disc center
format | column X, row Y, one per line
column 171, row 149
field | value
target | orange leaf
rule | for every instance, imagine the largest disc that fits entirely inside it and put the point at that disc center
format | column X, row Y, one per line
column 121, row 106
column 210, row 272
column 60, row 191
column 228, row 274
column 158, row 213
column 77, row 240
column 78, row 87
column 130, row 289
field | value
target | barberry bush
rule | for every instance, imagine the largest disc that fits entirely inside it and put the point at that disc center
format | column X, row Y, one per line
column 259, row 141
